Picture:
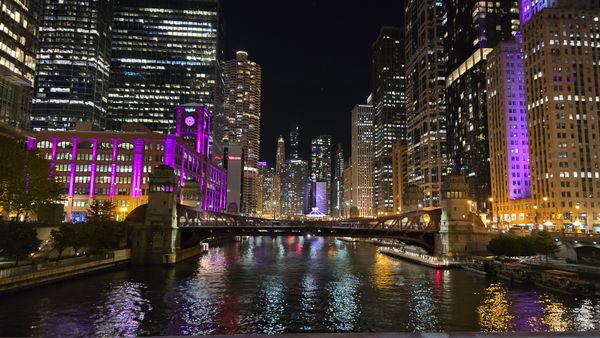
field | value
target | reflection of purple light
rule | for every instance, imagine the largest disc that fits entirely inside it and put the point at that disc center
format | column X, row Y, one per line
column 93, row 167
column 179, row 112
column 30, row 143
column 516, row 138
column 113, row 170
column 136, row 182
column 72, row 174
column 182, row 172
column 54, row 143
column 530, row 7
column 170, row 145
column 527, row 311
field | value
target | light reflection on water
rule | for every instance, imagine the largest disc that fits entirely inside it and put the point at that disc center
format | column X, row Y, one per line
column 504, row 310
column 123, row 311
column 287, row 284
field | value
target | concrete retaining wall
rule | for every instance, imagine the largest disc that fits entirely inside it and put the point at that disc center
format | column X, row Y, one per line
column 50, row 275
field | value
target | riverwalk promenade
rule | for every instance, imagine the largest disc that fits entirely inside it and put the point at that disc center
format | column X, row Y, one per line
column 24, row 277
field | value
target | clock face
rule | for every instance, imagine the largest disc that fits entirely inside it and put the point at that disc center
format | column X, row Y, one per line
column 189, row 121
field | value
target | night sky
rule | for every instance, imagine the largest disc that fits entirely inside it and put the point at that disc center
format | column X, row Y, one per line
column 315, row 58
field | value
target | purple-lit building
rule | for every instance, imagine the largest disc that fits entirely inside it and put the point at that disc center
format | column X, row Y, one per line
column 508, row 141
column 116, row 165
column 467, row 44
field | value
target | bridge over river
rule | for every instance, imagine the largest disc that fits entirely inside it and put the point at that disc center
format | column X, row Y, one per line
column 165, row 226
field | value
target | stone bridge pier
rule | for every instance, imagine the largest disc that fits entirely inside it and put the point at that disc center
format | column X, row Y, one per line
column 155, row 238
column 461, row 231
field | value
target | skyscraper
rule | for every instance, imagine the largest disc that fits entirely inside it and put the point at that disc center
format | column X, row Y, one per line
column 362, row 159
column 19, row 44
column 400, row 182
column 295, row 141
column 279, row 171
column 467, row 44
column 242, row 119
column 507, row 118
column 164, row 54
column 320, row 158
column 320, row 173
column 294, row 179
column 427, row 154
column 265, row 191
column 73, row 63
column 280, row 156
column 337, row 195
column 389, row 118
column 348, row 206
column 562, row 98
column 294, row 188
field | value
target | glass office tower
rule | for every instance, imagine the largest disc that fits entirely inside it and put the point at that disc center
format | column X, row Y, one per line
column 164, row 54
column 73, row 61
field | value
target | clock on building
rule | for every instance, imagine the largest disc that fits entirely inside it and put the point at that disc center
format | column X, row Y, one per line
column 189, row 121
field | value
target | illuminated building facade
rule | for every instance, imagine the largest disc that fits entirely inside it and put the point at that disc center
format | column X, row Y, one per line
column 399, row 177
column 266, row 195
column 295, row 180
column 362, row 159
column 164, row 53
column 561, row 53
column 529, row 8
column 389, row 113
column 348, row 203
column 279, row 171
column 337, row 195
column 233, row 163
column 467, row 44
column 242, row 120
column 294, row 188
column 320, row 172
column 508, row 141
column 295, row 141
column 427, row 153
column 73, row 61
column 115, row 165
column 19, row 22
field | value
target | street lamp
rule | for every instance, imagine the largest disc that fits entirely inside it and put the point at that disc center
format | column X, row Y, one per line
column 274, row 208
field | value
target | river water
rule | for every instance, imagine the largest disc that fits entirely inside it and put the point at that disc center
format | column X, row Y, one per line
column 287, row 284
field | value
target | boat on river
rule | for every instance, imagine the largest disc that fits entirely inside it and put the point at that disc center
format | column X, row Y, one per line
column 563, row 282
column 513, row 272
column 477, row 265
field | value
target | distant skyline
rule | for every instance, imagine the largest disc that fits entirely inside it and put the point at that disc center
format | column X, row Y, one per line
column 316, row 62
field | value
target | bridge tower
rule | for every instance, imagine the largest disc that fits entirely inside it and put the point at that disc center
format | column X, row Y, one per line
column 191, row 195
column 461, row 232
column 156, row 241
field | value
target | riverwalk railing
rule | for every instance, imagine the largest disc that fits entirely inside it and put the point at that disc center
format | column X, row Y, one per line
column 60, row 265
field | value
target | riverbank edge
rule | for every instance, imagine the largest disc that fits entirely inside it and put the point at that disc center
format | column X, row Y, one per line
column 418, row 335
column 38, row 278
column 120, row 258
